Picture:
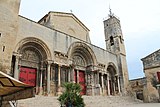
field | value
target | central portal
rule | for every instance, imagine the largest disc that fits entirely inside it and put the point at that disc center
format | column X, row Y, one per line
column 79, row 77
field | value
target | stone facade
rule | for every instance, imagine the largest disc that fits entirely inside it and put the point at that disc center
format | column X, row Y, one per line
column 151, row 64
column 57, row 49
column 138, row 88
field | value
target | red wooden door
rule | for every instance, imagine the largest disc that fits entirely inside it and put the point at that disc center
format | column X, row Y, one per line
column 28, row 76
column 82, row 82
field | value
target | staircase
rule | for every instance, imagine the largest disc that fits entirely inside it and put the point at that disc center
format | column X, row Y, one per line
column 109, row 101
column 90, row 101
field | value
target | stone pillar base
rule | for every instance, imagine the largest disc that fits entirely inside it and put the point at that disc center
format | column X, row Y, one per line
column 89, row 90
column 59, row 91
column 40, row 92
column 97, row 90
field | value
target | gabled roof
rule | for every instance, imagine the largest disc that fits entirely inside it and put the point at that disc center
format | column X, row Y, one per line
column 150, row 54
column 65, row 14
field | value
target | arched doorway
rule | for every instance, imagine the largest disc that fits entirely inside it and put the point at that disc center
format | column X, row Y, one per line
column 32, row 59
column 82, row 57
column 113, row 80
column 30, row 65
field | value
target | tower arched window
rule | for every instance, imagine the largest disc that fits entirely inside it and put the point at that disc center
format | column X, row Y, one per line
column 111, row 40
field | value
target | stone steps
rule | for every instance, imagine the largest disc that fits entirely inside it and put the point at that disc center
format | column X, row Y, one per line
column 90, row 101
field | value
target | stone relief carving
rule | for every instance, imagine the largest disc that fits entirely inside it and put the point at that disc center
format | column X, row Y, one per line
column 77, row 60
column 60, row 57
column 152, row 60
column 30, row 56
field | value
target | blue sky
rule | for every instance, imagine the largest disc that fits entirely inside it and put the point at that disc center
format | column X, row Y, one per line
column 140, row 22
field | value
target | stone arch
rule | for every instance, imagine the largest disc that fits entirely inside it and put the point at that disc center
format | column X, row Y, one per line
column 82, row 58
column 113, row 79
column 113, row 67
column 36, row 43
column 30, row 62
column 83, row 51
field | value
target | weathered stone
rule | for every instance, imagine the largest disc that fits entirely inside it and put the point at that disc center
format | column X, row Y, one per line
column 57, row 49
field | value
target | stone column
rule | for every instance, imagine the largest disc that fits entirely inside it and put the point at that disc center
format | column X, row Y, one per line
column 97, row 82
column 119, row 90
column 108, row 86
column 59, row 75
column 59, row 91
column 16, row 67
column 92, row 83
column 41, row 77
column 102, row 83
column 69, row 75
column 37, row 80
column 48, row 76
column 40, row 86
column 98, row 85
column 114, row 87
column 72, row 75
column 77, row 76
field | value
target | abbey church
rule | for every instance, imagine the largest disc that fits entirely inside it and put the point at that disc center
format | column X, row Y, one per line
column 57, row 49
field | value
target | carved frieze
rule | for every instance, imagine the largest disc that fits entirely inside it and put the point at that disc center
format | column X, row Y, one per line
column 29, row 63
column 101, row 65
column 61, row 58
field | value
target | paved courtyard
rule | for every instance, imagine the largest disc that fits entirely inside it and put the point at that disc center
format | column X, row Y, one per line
column 90, row 101
column 144, row 105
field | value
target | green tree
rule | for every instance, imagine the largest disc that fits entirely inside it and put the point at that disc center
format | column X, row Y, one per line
column 71, row 96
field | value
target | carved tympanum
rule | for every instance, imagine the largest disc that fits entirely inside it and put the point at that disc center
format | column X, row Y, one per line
column 77, row 60
column 30, row 55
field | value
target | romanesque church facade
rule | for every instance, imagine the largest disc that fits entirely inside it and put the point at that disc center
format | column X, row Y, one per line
column 57, row 49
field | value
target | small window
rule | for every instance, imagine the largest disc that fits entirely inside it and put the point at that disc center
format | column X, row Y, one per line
column 111, row 40
column 158, row 75
column 3, row 48
column 121, row 39
column 0, row 34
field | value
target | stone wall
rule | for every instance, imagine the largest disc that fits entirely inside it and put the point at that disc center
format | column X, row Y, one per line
column 8, row 31
column 57, row 41
column 152, row 92
column 67, row 23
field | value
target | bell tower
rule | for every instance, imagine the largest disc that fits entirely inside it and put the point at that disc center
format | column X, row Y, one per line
column 113, row 35
column 9, row 10
column 115, row 44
